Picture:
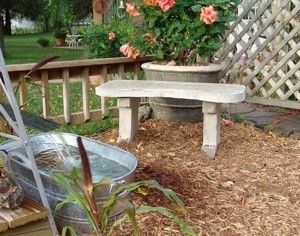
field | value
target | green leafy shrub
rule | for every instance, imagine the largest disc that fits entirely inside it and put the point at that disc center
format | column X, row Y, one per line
column 60, row 34
column 89, row 128
column 236, row 118
column 43, row 42
column 100, row 45
column 180, row 30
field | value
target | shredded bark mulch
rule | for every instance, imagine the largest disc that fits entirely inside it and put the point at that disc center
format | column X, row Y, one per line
column 251, row 187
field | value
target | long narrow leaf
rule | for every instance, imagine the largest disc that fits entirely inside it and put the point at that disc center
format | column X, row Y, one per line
column 183, row 225
column 41, row 63
column 170, row 194
column 162, row 210
column 88, row 181
column 76, row 195
column 130, row 211
column 106, row 209
column 68, row 230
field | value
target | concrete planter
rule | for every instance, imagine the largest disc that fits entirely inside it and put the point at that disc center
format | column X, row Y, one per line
column 171, row 109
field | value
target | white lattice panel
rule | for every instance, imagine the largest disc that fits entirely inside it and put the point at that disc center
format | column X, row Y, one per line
column 268, row 32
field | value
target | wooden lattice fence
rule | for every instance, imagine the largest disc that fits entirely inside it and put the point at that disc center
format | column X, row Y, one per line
column 262, row 51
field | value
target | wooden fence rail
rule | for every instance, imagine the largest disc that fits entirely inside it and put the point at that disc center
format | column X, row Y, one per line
column 66, row 73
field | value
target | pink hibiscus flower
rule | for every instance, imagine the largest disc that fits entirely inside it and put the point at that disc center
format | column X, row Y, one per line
column 150, row 2
column 208, row 15
column 132, row 10
column 129, row 51
column 165, row 4
column 133, row 53
column 150, row 37
column 124, row 49
column 111, row 35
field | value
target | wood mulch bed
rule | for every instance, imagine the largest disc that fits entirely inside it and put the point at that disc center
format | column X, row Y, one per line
column 252, row 187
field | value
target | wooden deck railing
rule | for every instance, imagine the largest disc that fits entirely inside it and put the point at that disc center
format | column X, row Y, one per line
column 67, row 72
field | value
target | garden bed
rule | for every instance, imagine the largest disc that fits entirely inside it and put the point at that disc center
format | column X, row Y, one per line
column 251, row 188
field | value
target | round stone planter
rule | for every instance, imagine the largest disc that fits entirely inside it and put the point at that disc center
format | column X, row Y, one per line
column 171, row 109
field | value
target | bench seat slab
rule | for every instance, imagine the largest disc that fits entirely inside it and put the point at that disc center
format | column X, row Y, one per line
column 210, row 92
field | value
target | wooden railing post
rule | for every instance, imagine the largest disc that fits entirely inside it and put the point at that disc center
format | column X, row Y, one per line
column 23, row 92
column 120, row 75
column 45, row 91
column 85, row 94
column 3, row 123
column 137, row 70
column 103, row 79
column 66, row 96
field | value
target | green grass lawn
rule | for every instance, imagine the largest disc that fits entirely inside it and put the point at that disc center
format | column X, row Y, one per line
column 23, row 48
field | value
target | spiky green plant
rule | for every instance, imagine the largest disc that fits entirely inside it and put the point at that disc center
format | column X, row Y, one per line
column 81, row 190
column 78, row 193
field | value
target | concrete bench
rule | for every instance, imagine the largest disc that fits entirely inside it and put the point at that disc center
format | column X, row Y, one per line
column 129, row 92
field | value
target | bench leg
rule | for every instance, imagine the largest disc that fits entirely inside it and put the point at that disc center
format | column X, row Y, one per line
column 211, row 128
column 128, row 118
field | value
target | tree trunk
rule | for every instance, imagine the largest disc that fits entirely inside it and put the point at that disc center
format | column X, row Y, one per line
column 2, row 46
column 7, row 27
column 57, row 21
column 46, row 25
